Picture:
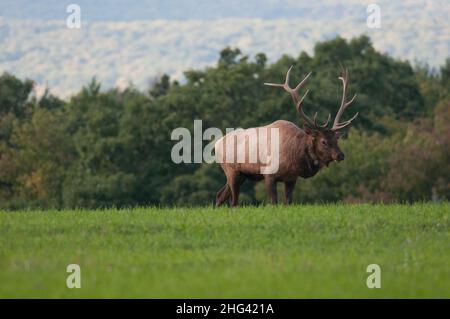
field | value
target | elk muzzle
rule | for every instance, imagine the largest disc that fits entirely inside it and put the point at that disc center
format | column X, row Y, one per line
column 338, row 157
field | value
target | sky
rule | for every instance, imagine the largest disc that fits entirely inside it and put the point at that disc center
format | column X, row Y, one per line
column 122, row 42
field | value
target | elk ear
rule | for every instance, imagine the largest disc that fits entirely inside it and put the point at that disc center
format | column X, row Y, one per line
column 339, row 134
column 310, row 131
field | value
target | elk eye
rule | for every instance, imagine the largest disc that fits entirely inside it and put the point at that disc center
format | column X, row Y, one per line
column 324, row 143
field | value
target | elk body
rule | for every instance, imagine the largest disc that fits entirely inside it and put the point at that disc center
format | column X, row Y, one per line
column 299, row 152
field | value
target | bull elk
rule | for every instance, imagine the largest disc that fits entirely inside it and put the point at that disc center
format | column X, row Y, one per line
column 301, row 152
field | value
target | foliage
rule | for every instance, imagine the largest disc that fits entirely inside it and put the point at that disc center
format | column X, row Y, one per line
column 419, row 168
column 112, row 148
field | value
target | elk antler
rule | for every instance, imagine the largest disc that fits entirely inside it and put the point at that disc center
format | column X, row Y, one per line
column 299, row 101
column 344, row 104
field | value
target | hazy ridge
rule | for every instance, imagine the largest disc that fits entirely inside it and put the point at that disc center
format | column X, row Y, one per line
column 154, row 37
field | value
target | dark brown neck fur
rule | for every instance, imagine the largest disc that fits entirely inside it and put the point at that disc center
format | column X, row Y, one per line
column 309, row 163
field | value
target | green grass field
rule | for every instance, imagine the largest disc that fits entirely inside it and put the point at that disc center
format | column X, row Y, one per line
column 249, row 252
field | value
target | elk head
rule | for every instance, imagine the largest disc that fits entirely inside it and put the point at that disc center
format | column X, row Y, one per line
column 324, row 139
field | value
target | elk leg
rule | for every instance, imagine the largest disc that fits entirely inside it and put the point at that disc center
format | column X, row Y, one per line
column 222, row 195
column 288, row 190
column 271, row 187
column 234, row 183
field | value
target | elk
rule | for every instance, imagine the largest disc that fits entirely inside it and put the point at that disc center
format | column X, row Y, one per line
column 301, row 152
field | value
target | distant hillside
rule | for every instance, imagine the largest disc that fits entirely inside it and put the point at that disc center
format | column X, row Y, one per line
column 154, row 37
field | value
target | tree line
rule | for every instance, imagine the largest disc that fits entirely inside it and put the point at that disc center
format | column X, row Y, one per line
column 103, row 148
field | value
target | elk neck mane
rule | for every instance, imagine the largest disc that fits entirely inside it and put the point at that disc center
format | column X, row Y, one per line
column 302, row 153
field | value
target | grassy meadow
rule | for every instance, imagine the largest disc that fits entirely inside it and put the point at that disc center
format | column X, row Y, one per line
column 301, row 251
